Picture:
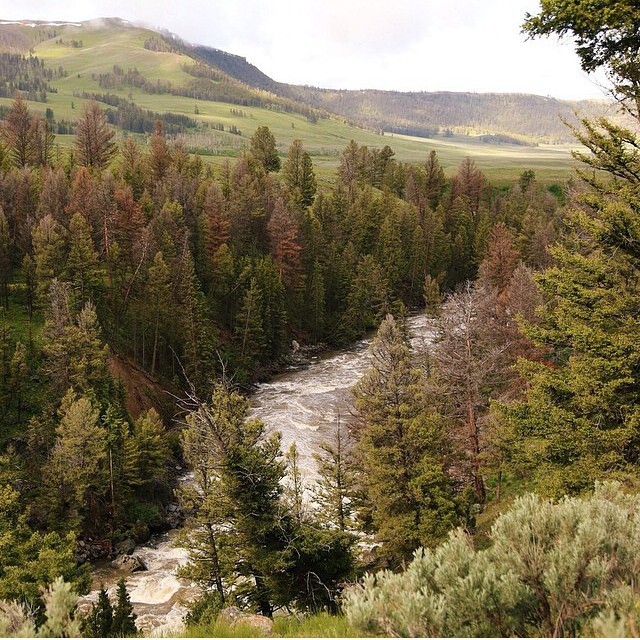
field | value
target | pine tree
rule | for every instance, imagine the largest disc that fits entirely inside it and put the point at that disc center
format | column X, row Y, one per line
column 153, row 451
column 81, row 268
column 160, row 158
column 159, row 289
column 294, row 492
column 31, row 559
column 43, row 138
column 239, row 472
column 335, row 489
column 48, row 252
column 298, row 175
column 368, row 299
column 197, row 351
column 133, row 166
column 77, row 468
column 316, row 302
column 217, row 220
column 94, row 143
column 18, row 376
column 124, row 619
column 400, row 449
column 580, row 417
column 206, row 537
column 75, row 354
column 263, row 150
column 434, row 180
column 432, row 296
column 249, row 328
column 98, row 622
column 5, row 260
column 285, row 247
column 18, row 133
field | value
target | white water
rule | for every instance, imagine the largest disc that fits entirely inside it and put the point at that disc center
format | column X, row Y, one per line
column 302, row 403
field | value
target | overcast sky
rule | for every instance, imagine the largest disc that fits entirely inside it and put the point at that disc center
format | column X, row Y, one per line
column 409, row 45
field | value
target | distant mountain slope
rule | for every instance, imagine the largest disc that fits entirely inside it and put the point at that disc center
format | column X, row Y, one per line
column 427, row 113
column 236, row 67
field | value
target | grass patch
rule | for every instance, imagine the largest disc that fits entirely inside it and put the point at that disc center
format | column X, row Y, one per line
column 321, row 625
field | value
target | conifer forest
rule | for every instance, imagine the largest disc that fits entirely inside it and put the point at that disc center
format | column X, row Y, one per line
column 466, row 350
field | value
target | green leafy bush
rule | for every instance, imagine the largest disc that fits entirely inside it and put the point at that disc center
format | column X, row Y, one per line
column 553, row 569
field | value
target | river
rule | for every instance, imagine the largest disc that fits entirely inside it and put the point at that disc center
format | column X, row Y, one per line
column 303, row 403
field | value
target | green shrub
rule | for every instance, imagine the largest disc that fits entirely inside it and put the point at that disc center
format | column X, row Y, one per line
column 205, row 610
column 552, row 569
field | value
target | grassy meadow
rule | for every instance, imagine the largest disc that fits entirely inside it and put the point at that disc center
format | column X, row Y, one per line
column 107, row 45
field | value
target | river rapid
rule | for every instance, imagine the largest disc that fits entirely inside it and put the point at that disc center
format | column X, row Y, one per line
column 303, row 403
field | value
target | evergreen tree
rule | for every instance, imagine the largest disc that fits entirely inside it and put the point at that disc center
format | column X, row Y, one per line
column 294, row 492
column 77, row 468
column 434, row 180
column 432, row 296
column 368, row 299
column 159, row 290
column 263, row 150
column 316, row 302
column 124, row 619
column 285, row 247
column 580, row 417
column 335, row 489
column 98, row 622
column 18, row 133
column 75, row 355
column 48, row 251
column 400, row 450
column 81, row 268
column 249, row 328
column 5, row 260
column 133, row 166
column 160, row 158
column 298, row 175
column 18, row 372
column 94, row 144
column 206, row 536
column 31, row 559
column 242, row 469
column 154, row 453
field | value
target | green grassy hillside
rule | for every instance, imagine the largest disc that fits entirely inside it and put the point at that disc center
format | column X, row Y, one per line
column 90, row 53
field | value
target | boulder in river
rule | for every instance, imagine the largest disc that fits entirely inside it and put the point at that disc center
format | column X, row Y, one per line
column 131, row 564
column 234, row 616
column 126, row 547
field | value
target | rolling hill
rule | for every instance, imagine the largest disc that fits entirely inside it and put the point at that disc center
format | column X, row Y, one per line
column 213, row 101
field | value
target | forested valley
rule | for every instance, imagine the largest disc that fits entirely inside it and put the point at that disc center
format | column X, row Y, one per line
column 484, row 484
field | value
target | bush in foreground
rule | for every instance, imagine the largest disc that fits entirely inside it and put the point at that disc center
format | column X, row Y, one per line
column 562, row 568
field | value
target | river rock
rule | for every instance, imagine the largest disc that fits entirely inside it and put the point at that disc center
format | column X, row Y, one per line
column 234, row 616
column 131, row 564
column 126, row 547
column 174, row 516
